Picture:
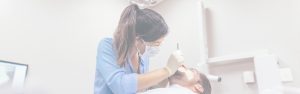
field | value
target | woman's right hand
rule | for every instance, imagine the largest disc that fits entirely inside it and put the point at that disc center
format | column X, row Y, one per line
column 175, row 60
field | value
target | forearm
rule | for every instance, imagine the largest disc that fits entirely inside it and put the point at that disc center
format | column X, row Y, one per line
column 152, row 78
column 163, row 83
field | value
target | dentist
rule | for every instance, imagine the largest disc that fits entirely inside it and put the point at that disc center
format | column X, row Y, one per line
column 123, row 61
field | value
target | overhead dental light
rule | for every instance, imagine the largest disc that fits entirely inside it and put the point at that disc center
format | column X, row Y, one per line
column 145, row 3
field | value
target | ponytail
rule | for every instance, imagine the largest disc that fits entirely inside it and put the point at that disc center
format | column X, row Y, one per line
column 124, row 38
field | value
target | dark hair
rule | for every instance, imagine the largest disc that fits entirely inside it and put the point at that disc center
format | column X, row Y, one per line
column 134, row 22
column 205, row 83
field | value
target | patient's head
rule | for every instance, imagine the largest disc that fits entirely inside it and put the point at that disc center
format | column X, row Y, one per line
column 191, row 79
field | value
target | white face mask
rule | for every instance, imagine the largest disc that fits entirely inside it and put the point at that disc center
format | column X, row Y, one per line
column 151, row 51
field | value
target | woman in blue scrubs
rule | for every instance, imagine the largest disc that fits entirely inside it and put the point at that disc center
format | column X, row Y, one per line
column 123, row 61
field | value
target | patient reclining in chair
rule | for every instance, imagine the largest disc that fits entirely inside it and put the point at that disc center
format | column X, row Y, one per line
column 185, row 81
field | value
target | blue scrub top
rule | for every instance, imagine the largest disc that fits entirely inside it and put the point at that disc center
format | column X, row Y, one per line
column 110, row 77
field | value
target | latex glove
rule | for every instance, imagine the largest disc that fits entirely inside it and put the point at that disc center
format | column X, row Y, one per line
column 174, row 62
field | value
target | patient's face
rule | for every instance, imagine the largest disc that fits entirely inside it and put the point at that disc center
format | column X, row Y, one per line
column 190, row 76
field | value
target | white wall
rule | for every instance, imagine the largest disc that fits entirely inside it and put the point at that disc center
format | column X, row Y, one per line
column 185, row 25
column 236, row 26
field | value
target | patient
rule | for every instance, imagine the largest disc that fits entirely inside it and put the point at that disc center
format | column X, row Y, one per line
column 185, row 81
